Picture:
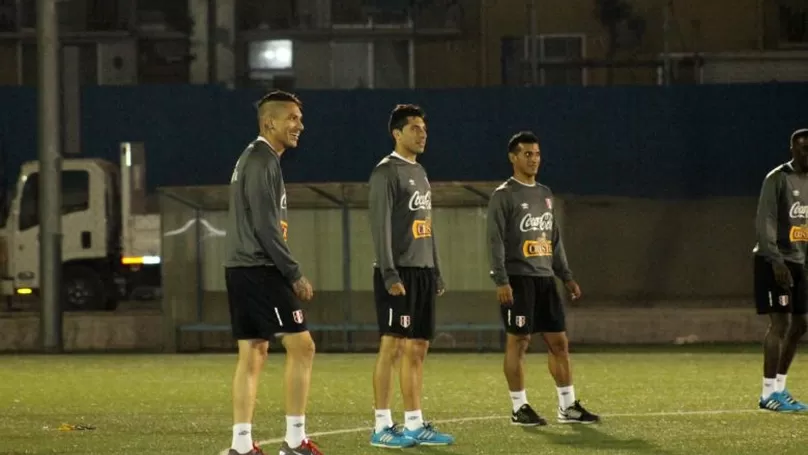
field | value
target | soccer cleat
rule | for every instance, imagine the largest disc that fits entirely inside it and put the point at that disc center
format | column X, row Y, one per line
column 793, row 401
column 255, row 451
column 427, row 435
column 576, row 414
column 306, row 448
column 525, row 416
column 778, row 402
column 392, row 438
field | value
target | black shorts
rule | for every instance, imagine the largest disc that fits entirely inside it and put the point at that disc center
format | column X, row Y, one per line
column 537, row 306
column 771, row 298
column 262, row 303
column 411, row 315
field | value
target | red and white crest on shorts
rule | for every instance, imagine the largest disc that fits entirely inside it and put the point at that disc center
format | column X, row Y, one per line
column 549, row 202
column 405, row 321
column 520, row 321
column 297, row 315
column 783, row 299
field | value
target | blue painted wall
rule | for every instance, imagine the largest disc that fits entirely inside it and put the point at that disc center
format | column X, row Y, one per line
column 693, row 141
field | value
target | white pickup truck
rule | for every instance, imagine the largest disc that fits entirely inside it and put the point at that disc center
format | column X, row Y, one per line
column 110, row 245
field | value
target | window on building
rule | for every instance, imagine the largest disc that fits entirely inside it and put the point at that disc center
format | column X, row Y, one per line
column 554, row 57
column 793, row 23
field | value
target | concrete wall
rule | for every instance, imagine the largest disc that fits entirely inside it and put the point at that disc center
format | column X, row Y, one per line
column 141, row 332
column 86, row 332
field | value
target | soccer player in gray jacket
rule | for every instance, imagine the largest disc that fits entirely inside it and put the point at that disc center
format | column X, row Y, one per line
column 526, row 254
column 406, row 279
column 781, row 291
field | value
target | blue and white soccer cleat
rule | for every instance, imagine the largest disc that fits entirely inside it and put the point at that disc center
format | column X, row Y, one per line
column 793, row 401
column 427, row 435
column 391, row 438
column 778, row 402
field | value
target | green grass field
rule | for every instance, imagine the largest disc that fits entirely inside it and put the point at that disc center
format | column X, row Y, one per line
column 654, row 401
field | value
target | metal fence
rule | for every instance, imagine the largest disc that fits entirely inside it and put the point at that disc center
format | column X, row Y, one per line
column 329, row 235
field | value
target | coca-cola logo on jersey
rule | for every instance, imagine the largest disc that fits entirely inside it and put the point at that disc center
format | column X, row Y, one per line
column 420, row 201
column 798, row 211
column 544, row 222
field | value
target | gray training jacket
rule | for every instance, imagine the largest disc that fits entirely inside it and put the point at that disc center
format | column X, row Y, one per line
column 256, row 220
column 401, row 218
column 523, row 238
column 781, row 221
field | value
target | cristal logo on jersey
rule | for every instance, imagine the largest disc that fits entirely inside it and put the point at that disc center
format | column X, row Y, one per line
column 537, row 248
column 798, row 234
column 421, row 229
column 285, row 230
column 420, row 201
column 544, row 222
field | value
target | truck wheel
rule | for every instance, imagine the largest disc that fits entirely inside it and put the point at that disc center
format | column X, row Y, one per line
column 83, row 289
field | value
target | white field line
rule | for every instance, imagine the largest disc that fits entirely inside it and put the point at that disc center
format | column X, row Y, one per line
column 479, row 418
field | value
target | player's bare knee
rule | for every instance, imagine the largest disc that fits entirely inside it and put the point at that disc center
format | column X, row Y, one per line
column 415, row 350
column 391, row 348
column 300, row 346
column 252, row 354
column 518, row 343
column 557, row 344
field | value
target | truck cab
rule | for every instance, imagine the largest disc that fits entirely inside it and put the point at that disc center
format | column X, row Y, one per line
column 105, row 247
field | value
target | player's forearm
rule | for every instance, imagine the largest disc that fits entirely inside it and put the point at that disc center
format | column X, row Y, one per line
column 384, row 253
column 766, row 221
column 380, row 211
column 436, row 262
column 499, row 273
column 277, row 250
column 496, row 240
column 383, row 242
column 561, row 267
column 496, row 257
column 767, row 241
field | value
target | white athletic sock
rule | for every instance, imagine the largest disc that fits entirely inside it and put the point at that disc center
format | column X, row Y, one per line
column 768, row 387
column 413, row 420
column 518, row 399
column 566, row 396
column 242, row 438
column 295, row 430
column 384, row 419
column 780, row 383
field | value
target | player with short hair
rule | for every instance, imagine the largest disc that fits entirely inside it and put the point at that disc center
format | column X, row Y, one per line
column 526, row 254
column 265, row 286
column 406, row 279
column 781, row 291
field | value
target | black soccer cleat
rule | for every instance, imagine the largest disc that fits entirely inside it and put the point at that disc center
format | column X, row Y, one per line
column 527, row 417
column 306, row 448
column 255, row 451
column 576, row 414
